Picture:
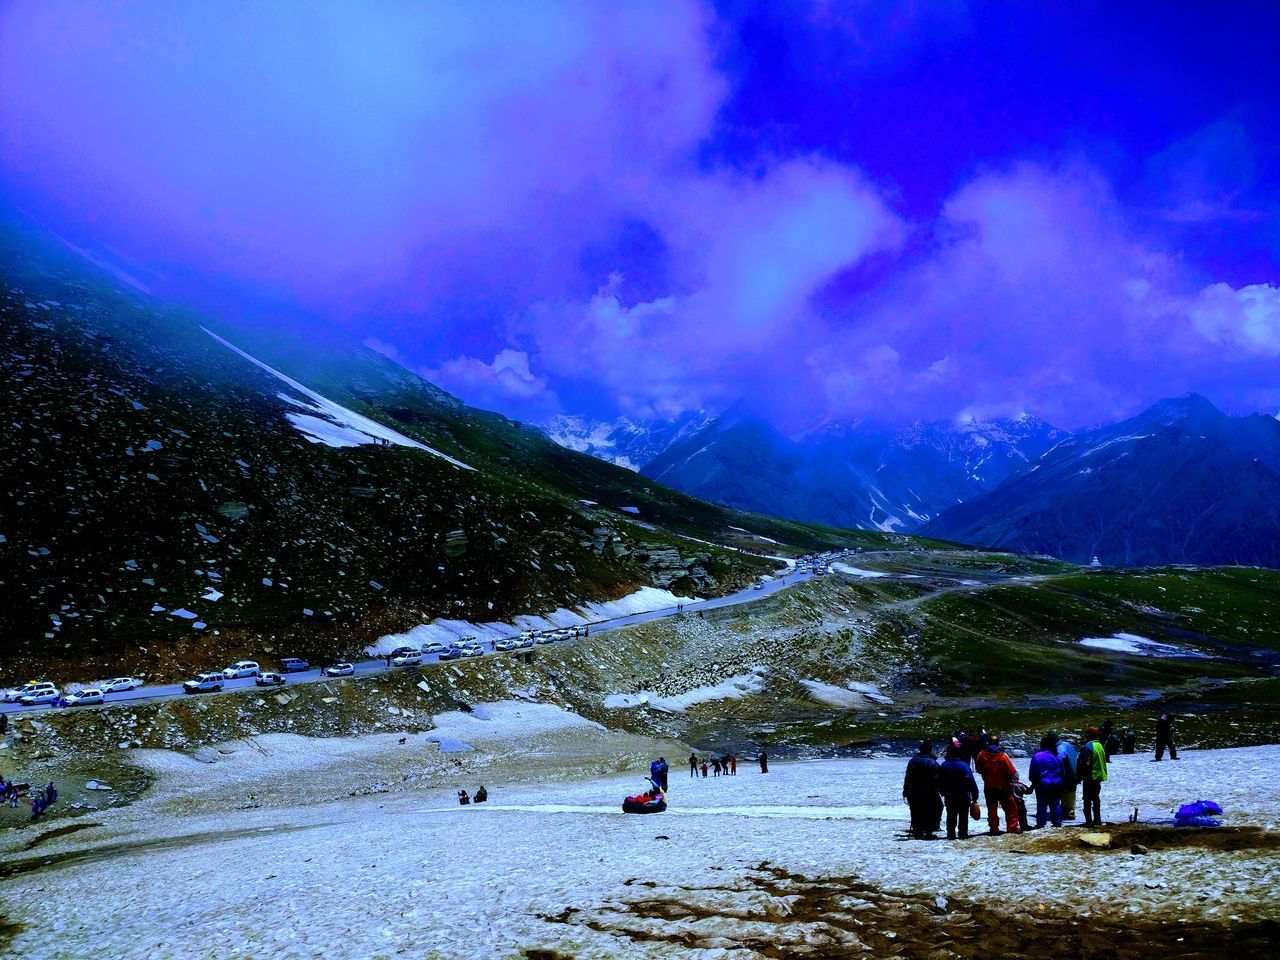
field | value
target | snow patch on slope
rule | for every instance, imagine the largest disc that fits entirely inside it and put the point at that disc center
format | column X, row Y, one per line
column 644, row 600
column 740, row 686
column 331, row 423
column 1137, row 645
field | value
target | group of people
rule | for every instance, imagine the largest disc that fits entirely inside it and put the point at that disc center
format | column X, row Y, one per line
column 11, row 793
column 465, row 799
column 726, row 765
column 1055, row 773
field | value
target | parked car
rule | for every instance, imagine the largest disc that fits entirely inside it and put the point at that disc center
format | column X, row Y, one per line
column 293, row 665
column 758, row 586
column 411, row 659
column 85, row 697
column 204, row 683
column 120, row 684
column 269, row 679
column 452, row 653
column 506, row 643
column 469, row 651
column 546, row 636
column 340, row 670
column 40, row 696
column 435, row 646
column 31, row 686
column 526, row 641
column 242, row 668
column 401, row 651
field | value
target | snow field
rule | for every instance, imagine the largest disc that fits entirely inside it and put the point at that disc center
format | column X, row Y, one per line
column 418, row 875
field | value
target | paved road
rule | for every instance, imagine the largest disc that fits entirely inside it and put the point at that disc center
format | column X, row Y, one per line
column 169, row 691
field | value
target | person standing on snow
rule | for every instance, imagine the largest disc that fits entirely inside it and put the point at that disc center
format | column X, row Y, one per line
column 1164, row 738
column 764, row 762
column 1092, row 769
column 1046, row 780
column 998, row 774
column 693, row 765
column 1068, row 756
column 920, row 790
column 959, row 790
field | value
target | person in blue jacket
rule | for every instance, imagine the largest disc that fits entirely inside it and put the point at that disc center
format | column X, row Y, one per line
column 1046, row 780
column 920, row 790
column 1067, row 755
column 959, row 790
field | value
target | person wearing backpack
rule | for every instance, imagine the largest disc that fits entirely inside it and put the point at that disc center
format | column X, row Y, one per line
column 1092, row 768
column 1068, row 756
column 1046, row 780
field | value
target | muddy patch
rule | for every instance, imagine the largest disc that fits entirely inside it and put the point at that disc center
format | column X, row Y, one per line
column 1126, row 836
column 781, row 915
column 58, row 832
column 16, row 867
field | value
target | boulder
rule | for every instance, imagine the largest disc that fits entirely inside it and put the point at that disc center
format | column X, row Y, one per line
column 1100, row 841
column 1139, row 849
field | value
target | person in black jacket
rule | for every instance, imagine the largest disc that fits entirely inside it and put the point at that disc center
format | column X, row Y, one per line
column 959, row 790
column 920, row 790
column 1164, row 738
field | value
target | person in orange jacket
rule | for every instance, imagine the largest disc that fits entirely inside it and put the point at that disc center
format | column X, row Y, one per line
column 998, row 774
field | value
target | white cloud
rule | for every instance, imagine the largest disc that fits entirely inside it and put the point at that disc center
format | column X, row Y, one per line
column 506, row 384
column 1248, row 318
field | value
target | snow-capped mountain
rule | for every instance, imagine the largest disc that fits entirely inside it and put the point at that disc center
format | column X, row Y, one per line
column 1182, row 482
column 627, row 442
column 851, row 473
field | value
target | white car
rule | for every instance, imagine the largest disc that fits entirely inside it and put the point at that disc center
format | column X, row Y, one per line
column 526, row 641
column 204, row 683
column 242, row 668
column 413, row 659
column 546, row 637
column 270, row 679
column 85, row 697
column 467, row 650
column 340, row 670
column 507, row 643
column 758, row 586
column 41, row 695
column 31, row 686
column 120, row 684
column 435, row 646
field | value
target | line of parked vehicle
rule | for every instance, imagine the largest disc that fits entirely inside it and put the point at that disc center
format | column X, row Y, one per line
column 36, row 693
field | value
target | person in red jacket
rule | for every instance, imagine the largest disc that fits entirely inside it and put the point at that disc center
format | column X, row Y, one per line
column 998, row 774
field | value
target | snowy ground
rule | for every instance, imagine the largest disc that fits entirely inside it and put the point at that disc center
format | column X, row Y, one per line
column 559, row 867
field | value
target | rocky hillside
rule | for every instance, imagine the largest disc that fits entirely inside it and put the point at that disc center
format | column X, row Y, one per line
column 174, row 490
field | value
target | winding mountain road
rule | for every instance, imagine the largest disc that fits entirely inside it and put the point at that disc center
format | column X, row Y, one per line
column 364, row 668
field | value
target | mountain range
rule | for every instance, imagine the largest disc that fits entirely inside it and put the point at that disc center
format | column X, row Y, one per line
column 1181, row 482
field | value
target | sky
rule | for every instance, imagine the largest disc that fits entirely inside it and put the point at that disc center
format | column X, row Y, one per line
column 893, row 211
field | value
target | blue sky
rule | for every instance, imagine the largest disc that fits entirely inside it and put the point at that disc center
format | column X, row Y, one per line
column 898, row 211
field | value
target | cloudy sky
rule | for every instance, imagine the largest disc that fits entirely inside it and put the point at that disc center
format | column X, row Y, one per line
column 893, row 210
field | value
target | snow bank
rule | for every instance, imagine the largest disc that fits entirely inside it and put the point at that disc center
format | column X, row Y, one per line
column 331, row 423
column 1136, row 645
column 506, row 720
column 854, row 695
column 857, row 571
column 740, row 686
column 644, row 600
